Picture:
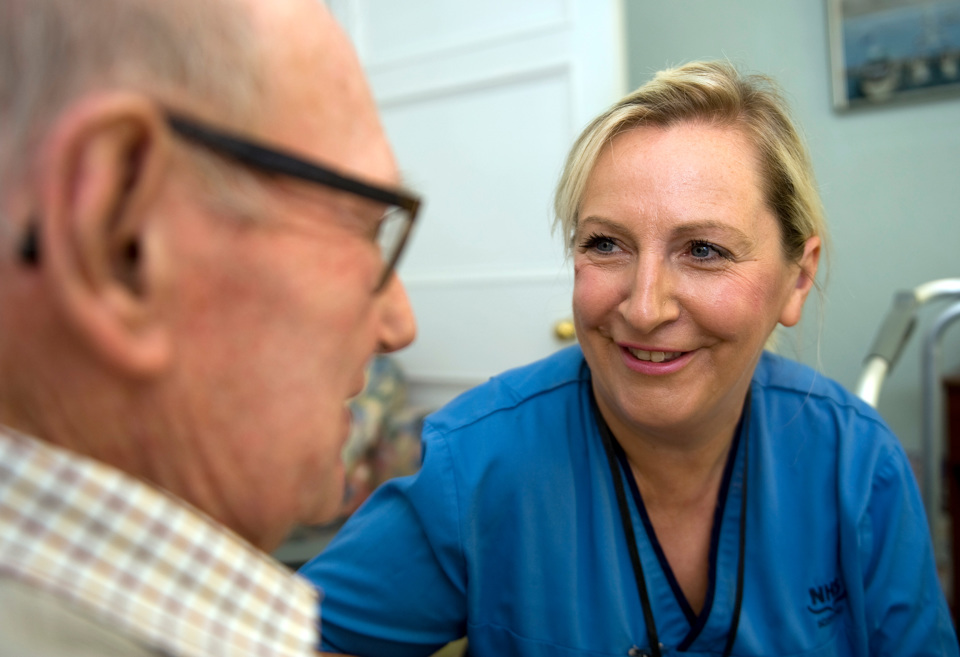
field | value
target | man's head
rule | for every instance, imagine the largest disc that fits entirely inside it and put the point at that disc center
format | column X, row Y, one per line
column 189, row 318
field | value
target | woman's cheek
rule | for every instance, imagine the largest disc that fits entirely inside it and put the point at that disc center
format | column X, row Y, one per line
column 595, row 293
column 731, row 306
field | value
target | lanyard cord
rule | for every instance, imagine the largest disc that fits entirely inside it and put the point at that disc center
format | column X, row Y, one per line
column 608, row 446
column 607, row 436
column 738, row 600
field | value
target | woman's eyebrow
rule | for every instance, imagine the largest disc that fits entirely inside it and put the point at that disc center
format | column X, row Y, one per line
column 687, row 229
column 599, row 222
column 694, row 228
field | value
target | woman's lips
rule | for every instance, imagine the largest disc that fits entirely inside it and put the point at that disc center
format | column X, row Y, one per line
column 655, row 356
column 654, row 361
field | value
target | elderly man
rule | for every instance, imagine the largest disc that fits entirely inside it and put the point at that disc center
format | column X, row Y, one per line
column 199, row 219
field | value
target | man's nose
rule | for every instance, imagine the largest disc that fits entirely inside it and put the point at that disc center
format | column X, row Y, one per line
column 398, row 326
column 651, row 299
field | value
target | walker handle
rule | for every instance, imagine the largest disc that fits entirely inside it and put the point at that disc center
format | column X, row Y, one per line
column 888, row 345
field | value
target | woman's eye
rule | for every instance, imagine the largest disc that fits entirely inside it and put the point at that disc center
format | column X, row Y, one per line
column 599, row 243
column 604, row 246
column 704, row 251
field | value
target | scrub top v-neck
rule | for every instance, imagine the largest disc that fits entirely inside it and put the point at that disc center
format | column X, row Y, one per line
column 668, row 615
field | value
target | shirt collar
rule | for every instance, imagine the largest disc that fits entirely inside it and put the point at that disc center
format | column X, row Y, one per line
column 142, row 560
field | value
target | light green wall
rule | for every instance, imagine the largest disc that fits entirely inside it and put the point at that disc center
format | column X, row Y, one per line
column 890, row 176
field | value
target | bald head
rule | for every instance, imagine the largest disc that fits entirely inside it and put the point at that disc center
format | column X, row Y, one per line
column 52, row 51
column 236, row 60
column 316, row 83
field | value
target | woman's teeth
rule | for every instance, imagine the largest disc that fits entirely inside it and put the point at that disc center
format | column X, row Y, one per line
column 656, row 356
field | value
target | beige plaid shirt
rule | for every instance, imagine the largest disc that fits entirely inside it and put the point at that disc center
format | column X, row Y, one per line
column 143, row 562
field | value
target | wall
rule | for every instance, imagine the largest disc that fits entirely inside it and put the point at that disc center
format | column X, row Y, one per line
column 888, row 175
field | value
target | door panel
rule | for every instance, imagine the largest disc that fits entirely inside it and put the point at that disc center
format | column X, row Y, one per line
column 481, row 102
column 486, row 158
column 396, row 31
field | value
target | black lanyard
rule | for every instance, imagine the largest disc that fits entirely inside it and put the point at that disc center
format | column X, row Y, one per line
column 615, row 471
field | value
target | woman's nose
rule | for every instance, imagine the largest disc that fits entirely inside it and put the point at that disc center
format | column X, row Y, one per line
column 651, row 298
column 398, row 327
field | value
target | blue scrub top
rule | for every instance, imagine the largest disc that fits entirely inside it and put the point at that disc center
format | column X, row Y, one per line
column 510, row 535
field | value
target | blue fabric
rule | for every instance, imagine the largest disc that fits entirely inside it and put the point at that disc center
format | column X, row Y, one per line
column 510, row 534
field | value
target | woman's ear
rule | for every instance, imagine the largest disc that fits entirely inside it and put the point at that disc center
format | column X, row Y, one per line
column 803, row 283
column 101, row 170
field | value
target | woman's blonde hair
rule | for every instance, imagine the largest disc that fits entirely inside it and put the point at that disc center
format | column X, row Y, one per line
column 714, row 93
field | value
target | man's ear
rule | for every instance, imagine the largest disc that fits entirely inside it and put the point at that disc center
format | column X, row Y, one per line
column 805, row 277
column 100, row 171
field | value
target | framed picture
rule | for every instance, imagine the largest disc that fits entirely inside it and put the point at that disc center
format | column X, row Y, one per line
column 886, row 50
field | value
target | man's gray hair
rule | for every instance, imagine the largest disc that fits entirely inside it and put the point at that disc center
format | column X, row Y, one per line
column 52, row 51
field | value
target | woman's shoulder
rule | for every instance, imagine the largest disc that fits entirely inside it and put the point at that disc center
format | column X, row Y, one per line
column 780, row 376
column 531, row 390
column 804, row 400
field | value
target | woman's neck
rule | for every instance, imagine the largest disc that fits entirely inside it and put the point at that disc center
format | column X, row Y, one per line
column 677, row 467
column 677, row 477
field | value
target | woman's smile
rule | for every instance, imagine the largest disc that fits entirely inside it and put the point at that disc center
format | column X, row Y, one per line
column 654, row 355
column 655, row 362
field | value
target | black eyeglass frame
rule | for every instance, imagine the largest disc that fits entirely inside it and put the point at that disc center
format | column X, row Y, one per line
column 271, row 160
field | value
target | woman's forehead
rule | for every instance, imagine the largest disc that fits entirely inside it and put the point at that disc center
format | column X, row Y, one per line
column 688, row 180
column 690, row 162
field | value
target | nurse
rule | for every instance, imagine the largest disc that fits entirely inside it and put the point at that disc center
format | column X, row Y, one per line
column 667, row 486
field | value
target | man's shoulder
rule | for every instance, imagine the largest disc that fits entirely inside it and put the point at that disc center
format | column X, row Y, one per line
column 36, row 622
column 530, row 388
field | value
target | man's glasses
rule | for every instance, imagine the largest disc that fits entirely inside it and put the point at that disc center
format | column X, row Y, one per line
column 402, row 207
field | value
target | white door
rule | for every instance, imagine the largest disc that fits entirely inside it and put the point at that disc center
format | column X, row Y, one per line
column 481, row 101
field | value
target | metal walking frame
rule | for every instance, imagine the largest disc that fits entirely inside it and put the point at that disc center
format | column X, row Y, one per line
column 894, row 333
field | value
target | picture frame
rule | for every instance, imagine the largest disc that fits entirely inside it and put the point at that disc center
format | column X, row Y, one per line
column 883, row 51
